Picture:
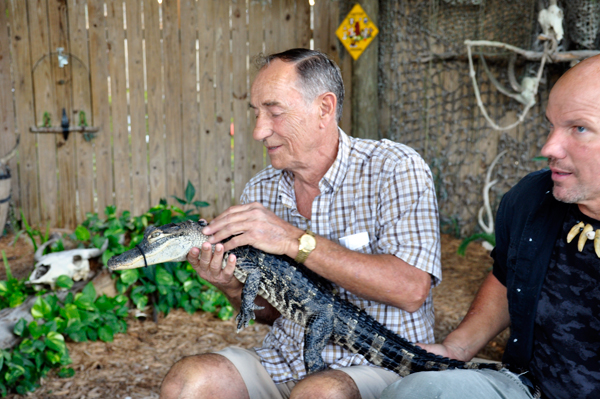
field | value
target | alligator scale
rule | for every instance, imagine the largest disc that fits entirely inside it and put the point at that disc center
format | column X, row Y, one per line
column 299, row 295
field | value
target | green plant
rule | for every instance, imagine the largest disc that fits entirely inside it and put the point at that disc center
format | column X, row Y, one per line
column 167, row 286
column 83, row 317
column 190, row 193
column 13, row 292
column 173, row 285
column 462, row 248
column 79, row 317
column 31, row 232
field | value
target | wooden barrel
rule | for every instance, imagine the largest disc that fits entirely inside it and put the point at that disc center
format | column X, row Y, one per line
column 4, row 199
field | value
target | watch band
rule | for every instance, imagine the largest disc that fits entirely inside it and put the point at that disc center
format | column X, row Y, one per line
column 307, row 244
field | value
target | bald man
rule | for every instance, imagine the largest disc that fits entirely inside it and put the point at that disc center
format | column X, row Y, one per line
column 545, row 283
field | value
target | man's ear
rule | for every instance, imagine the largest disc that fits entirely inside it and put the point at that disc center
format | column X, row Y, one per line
column 327, row 106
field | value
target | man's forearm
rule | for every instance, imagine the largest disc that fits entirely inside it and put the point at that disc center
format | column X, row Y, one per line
column 486, row 318
column 383, row 278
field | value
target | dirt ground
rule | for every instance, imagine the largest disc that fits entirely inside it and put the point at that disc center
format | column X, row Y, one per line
column 134, row 365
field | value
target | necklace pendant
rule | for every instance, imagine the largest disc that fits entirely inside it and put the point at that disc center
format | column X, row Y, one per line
column 587, row 233
column 574, row 231
column 583, row 237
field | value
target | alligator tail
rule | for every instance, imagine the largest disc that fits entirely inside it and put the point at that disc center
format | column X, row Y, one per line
column 382, row 347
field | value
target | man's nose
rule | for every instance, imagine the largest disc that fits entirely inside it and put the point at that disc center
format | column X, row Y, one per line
column 554, row 147
column 262, row 129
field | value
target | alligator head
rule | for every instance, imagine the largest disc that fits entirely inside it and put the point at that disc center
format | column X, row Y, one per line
column 168, row 243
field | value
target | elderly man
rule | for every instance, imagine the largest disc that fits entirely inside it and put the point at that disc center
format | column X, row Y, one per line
column 360, row 213
column 546, row 278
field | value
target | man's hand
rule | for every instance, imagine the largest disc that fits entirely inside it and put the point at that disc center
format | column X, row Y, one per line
column 253, row 224
column 486, row 318
column 446, row 351
column 209, row 266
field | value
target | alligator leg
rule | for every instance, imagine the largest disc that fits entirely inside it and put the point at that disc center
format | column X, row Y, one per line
column 319, row 328
column 249, row 293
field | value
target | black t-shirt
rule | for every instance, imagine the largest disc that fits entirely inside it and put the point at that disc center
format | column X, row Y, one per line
column 566, row 357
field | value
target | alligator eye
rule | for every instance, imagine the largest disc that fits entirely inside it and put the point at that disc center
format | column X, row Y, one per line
column 156, row 234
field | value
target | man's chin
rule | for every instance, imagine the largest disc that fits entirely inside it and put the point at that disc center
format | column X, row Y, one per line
column 562, row 194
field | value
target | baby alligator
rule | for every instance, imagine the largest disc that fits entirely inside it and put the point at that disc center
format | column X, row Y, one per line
column 299, row 295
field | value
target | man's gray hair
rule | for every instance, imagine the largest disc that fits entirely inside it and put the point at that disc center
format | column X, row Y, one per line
column 318, row 74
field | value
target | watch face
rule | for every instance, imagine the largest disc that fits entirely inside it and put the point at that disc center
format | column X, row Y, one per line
column 307, row 242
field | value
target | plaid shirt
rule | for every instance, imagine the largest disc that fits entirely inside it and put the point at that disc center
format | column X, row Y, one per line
column 379, row 187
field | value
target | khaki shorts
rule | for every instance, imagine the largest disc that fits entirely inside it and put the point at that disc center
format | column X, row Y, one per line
column 371, row 381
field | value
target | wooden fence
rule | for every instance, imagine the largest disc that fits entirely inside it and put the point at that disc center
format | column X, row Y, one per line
column 165, row 83
column 167, row 86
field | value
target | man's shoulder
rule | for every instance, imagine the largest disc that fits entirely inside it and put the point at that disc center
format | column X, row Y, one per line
column 531, row 189
column 384, row 149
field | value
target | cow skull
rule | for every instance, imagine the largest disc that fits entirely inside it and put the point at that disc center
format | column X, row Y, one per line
column 73, row 263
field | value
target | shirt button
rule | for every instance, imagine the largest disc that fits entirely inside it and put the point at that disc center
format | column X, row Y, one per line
column 531, row 239
column 518, row 290
column 515, row 340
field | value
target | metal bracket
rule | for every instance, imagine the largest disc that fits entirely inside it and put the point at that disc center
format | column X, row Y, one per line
column 65, row 128
column 57, row 129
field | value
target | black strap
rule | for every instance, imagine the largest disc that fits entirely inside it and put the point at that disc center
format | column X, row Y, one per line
column 2, row 201
column 142, row 252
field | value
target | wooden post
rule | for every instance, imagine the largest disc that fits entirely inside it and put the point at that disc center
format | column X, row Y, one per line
column 365, row 104
column 7, row 122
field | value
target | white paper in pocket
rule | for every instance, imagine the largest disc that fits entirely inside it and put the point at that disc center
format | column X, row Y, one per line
column 355, row 241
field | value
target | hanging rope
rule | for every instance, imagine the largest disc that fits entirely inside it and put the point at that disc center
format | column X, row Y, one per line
column 527, row 98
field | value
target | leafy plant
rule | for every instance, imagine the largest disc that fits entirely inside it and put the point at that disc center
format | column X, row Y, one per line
column 173, row 285
column 190, row 193
column 167, row 286
column 31, row 232
column 462, row 248
column 83, row 317
column 13, row 292
column 79, row 317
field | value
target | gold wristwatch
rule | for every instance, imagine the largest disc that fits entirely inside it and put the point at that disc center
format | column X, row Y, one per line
column 307, row 245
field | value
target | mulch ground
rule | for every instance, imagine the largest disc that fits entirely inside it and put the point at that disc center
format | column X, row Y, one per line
column 134, row 364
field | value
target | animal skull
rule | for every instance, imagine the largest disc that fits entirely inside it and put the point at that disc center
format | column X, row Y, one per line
column 73, row 263
column 551, row 20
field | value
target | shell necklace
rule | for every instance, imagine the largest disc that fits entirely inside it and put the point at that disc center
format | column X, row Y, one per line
column 587, row 233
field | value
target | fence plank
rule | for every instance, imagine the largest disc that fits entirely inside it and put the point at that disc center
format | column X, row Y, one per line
column 272, row 12
column 45, row 102
column 326, row 21
column 118, row 103
column 223, row 106
column 65, row 146
column 287, row 25
column 24, row 111
column 82, row 102
column 154, row 86
column 206, row 11
column 242, row 139
column 301, row 19
column 172, row 67
column 256, row 35
column 256, row 15
column 137, row 107
column 189, row 93
column 364, row 83
column 101, row 117
column 7, row 112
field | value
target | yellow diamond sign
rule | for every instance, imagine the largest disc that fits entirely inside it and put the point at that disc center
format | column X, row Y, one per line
column 356, row 31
